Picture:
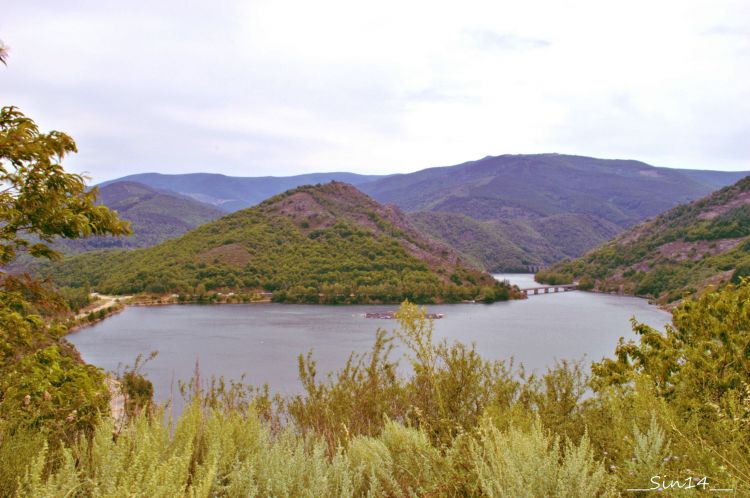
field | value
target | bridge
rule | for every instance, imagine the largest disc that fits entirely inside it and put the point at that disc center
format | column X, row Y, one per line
column 535, row 268
column 547, row 289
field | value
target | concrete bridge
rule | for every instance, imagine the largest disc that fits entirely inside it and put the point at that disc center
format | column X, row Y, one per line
column 547, row 289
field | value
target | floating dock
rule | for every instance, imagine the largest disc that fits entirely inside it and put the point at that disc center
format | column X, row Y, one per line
column 391, row 315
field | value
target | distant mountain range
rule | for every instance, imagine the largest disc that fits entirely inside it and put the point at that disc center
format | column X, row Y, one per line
column 318, row 244
column 232, row 193
column 547, row 206
column 681, row 251
column 540, row 185
column 154, row 216
column 503, row 213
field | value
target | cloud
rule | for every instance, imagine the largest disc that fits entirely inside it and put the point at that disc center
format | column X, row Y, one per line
column 488, row 39
column 286, row 87
column 728, row 30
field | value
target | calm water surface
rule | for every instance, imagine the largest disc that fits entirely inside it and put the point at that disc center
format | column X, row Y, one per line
column 264, row 340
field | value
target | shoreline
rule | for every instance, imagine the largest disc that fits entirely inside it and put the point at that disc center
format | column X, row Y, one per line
column 120, row 303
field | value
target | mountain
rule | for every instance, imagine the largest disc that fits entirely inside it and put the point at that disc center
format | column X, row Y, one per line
column 681, row 251
column 515, row 245
column 532, row 186
column 231, row 193
column 325, row 243
column 547, row 206
column 154, row 215
column 550, row 205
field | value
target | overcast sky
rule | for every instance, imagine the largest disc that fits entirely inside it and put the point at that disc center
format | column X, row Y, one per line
column 286, row 87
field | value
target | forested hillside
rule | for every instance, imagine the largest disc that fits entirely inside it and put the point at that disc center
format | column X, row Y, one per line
column 154, row 216
column 325, row 243
column 682, row 251
column 514, row 245
column 478, row 242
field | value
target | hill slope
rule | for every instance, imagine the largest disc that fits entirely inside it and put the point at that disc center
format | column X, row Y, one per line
column 693, row 245
column 154, row 215
column 515, row 245
column 326, row 243
column 231, row 193
column 717, row 179
column 479, row 243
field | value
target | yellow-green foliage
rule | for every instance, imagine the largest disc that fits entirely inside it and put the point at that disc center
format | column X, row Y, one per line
column 533, row 463
column 45, row 389
column 215, row 453
column 39, row 200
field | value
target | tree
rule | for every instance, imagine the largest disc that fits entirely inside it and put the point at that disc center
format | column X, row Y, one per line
column 3, row 53
column 39, row 200
column 44, row 386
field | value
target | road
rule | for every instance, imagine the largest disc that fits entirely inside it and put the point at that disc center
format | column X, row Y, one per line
column 103, row 302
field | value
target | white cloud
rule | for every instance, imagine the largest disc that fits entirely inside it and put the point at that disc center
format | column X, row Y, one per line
column 285, row 87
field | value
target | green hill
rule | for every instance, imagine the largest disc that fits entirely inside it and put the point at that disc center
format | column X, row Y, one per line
column 682, row 251
column 326, row 243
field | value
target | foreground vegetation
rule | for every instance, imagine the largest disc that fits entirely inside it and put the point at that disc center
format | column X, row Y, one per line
column 457, row 425
column 680, row 252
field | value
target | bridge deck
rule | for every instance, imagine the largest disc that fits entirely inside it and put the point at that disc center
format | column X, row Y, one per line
column 565, row 286
column 547, row 289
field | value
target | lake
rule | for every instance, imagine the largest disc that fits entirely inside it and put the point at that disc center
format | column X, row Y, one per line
column 263, row 341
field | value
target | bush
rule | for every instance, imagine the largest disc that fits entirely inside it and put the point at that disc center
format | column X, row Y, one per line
column 458, row 425
column 553, row 278
column 535, row 463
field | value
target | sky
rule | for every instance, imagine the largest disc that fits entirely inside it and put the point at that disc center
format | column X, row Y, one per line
column 254, row 88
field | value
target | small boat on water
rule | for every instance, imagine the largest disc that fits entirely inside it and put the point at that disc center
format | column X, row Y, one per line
column 390, row 315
